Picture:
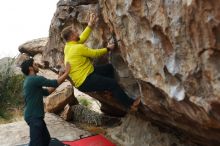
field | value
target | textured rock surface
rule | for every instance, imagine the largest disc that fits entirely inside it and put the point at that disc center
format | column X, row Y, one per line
column 56, row 101
column 33, row 47
column 171, row 48
column 144, row 135
column 168, row 53
column 18, row 133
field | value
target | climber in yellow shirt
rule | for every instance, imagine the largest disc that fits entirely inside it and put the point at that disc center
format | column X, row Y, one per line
column 84, row 75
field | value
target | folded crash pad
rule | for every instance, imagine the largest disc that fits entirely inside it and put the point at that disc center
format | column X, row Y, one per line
column 97, row 140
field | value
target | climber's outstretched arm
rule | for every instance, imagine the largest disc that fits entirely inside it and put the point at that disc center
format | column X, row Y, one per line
column 85, row 34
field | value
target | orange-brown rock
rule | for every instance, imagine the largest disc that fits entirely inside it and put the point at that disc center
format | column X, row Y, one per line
column 56, row 101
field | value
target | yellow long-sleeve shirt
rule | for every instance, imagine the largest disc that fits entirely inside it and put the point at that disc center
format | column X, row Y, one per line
column 78, row 55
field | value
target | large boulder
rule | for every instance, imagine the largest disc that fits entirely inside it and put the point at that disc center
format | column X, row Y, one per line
column 56, row 101
column 33, row 47
column 168, row 53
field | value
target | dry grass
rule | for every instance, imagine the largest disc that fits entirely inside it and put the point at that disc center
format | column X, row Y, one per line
column 11, row 115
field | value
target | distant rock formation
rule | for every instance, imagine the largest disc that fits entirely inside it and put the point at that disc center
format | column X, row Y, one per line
column 8, row 66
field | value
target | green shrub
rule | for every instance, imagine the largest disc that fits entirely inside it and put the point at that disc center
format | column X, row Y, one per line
column 84, row 102
column 11, row 99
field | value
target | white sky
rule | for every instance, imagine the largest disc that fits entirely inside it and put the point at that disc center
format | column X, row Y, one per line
column 23, row 20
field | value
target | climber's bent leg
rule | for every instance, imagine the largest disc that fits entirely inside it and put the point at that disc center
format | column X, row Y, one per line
column 95, row 82
column 105, row 70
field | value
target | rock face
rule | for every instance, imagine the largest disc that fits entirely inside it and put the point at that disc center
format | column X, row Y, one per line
column 33, row 47
column 56, row 102
column 168, row 52
column 144, row 135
